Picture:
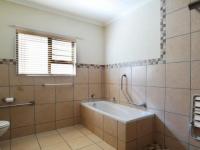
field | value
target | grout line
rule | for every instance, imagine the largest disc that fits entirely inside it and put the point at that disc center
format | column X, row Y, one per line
column 190, row 75
column 95, row 143
column 64, row 139
column 176, row 10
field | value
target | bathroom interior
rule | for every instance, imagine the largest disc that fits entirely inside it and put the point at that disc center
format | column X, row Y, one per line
column 100, row 75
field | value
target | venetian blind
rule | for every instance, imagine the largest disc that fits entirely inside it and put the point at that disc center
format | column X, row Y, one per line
column 44, row 55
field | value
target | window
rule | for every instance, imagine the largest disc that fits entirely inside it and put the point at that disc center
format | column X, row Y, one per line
column 44, row 55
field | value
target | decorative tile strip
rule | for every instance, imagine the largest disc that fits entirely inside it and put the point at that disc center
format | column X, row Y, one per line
column 161, row 60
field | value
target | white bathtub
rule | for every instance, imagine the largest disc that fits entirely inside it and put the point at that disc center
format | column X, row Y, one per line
column 119, row 112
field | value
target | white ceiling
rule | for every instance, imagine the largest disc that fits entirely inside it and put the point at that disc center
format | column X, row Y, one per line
column 96, row 11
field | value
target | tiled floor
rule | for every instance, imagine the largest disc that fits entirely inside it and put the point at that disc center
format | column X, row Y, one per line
column 70, row 138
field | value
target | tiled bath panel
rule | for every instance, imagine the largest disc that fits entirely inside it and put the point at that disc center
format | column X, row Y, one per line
column 55, row 106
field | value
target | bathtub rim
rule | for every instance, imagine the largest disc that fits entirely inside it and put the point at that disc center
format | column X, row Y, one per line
column 84, row 104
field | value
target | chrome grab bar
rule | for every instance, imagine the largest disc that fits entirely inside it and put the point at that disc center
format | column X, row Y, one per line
column 48, row 84
column 128, row 97
column 15, row 105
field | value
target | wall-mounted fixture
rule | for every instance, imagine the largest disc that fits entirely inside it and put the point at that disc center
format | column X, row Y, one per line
column 195, row 122
column 194, row 5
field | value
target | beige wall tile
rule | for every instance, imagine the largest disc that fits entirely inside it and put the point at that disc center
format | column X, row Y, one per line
column 95, row 75
column 114, row 75
column 22, row 93
column 110, row 126
column 176, row 4
column 5, row 114
column 64, row 110
column 64, row 93
column 96, row 90
column 18, row 79
column 177, row 126
column 127, row 133
column 155, row 97
column 4, row 138
column 106, row 75
column 178, row 23
column 40, row 80
column 178, row 49
column 128, row 72
column 64, row 79
column 144, row 141
column 138, row 94
column 65, row 123
column 174, row 144
column 23, row 131
column 178, row 101
column 81, row 75
column 77, row 108
column 156, row 75
column 4, row 81
column 195, row 71
column 178, row 75
column 98, row 120
column 44, row 94
column 158, row 121
column 107, row 91
column 22, row 116
column 112, row 140
column 114, row 90
column 139, row 75
column 127, row 146
column 44, row 113
column 145, row 127
column 81, row 92
column 195, row 21
column 195, row 46
column 159, row 138
column 4, row 92
column 45, row 127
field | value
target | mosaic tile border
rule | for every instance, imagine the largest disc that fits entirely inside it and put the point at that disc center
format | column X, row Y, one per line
column 161, row 60
column 13, row 61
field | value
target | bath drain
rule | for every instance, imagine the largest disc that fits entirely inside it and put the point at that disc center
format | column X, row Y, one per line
column 156, row 147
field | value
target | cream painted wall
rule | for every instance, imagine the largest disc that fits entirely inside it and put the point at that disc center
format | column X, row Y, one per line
column 90, row 49
column 134, row 36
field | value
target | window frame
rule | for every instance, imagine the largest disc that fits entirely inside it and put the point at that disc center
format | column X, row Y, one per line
column 50, row 37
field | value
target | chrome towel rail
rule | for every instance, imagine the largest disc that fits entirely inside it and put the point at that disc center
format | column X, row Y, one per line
column 195, row 122
column 49, row 84
column 15, row 105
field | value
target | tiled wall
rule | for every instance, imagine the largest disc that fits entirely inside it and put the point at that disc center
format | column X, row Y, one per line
column 167, row 88
column 55, row 106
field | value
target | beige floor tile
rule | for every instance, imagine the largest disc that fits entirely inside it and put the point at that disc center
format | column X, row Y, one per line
column 5, row 145
column 105, row 146
column 79, row 126
column 59, row 146
column 48, row 133
column 79, row 142
column 71, row 134
column 94, row 138
column 25, row 143
column 85, row 131
column 49, row 139
column 91, row 147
